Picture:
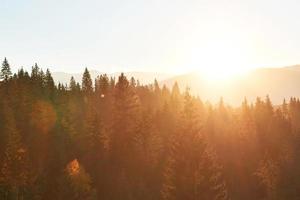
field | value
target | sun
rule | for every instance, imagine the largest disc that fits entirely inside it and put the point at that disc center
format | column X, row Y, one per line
column 221, row 62
column 222, row 65
column 220, row 59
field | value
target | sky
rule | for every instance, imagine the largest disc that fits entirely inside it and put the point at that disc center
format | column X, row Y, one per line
column 168, row 36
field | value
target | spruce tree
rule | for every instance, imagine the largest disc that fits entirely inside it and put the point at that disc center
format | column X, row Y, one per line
column 35, row 71
column 132, row 82
column 156, row 87
column 285, row 109
column 87, row 83
column 147, row 153
column 72, row 84
column 190, row 173
column 175, row 90
column 126, row 113
column 176, row 101
column 49, row 83
column 49, row 80
column 14, row 172
column 5, row 70
column 165, row 93
column 102, row 85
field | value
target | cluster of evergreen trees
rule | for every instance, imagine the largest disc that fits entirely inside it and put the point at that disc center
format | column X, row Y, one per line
column 113, row 139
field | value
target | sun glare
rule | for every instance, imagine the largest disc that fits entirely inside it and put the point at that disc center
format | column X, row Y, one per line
column 221, row 59
column 223, row 68
column 223, row 63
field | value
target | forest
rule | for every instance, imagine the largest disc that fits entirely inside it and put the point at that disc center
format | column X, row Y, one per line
column 116, row 139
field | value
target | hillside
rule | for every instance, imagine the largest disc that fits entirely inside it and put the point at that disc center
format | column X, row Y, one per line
column 278, row 83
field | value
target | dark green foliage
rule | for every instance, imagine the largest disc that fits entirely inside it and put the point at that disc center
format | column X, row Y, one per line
column 14, row 172
column 87, row 83
column 72, row 84
column 5, row 70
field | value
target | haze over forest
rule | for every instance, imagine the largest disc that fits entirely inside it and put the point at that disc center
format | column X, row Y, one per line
column 149, row 100
column 279, row 83
column 114, row 138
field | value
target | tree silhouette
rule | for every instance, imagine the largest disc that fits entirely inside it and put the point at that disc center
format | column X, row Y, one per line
column 5, row 70
column 87, row 84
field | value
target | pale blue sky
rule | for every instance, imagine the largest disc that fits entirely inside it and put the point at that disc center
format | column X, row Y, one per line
column 154, row 35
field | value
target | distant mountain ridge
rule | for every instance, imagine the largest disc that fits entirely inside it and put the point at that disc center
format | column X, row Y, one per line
column 143, row 77
column 278, row 83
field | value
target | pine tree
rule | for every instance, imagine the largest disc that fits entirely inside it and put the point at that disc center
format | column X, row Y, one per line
column 126, row 113
column 175, row 90
column 37, row 80
column 147, row 153
column 14, row 169
column 156, row 87
column 49, row 80
column 5, row 70
column 268, row 106
column 87, row 83
column 112, row 83
column 268, row 173
column 132, row 82
column 35, row 71
column 284, row 108
column 126, row 109
column 102, row 85
column 72, row 84
column 49, row 83
column 176, row 101
column 165, row 93
column 190, row 172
